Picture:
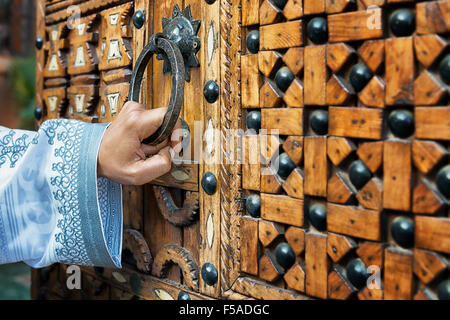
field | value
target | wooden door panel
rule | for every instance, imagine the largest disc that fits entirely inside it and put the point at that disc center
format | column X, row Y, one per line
column 359, row 176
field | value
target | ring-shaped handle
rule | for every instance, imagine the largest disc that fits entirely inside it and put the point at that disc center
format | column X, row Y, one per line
column 158, row 44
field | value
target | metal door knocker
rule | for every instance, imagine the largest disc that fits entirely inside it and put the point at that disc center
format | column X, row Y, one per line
column 177, row 45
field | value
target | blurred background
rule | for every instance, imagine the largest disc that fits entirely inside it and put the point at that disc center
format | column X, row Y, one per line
column 17, row 71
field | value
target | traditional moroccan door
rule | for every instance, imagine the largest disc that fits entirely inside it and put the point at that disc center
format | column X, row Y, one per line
column 319, row 145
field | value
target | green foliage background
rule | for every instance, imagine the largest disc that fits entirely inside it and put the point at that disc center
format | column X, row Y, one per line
column 22, row 77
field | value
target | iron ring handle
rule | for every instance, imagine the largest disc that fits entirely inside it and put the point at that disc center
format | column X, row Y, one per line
column 158, row 44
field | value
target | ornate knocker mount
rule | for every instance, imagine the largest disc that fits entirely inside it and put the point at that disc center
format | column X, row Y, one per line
column 177, row 45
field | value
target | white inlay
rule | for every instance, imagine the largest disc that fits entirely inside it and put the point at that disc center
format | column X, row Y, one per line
column 79, row 102
column 162, row 294
column 179, row 175
column 210, row 229
column 71, row 110
column 113, row 100
column 211, row 43
column 209, row 137
column 114, row 50
column 79, row 59
column 54, row 35
column 52, row 103
column 103, row 47
column 113, row 18
column 53, row 65
column 119, row 277
column 103, row 109
column 80, row 28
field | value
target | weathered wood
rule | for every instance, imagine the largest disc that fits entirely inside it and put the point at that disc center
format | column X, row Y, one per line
column 249, row 245
column 371, row 253
column 399, row 71
column 338, row 246
column 269, row 269
column 433, row 17
column 373, row 93
column 313, row 6
column 262, row 290
column 316, row 166
column 398, row 275
column 295, row 278
column 269, row 95
column 268, row 231
column 269, row 13
column 425, row 200
column 428, row 90
column 338, row 286
column 355, row 122
column 339, row 91
column 338, row 54
column 284, row 121
column 372, row 53
column 293, row 97
column 250, row 81
column 281, row 35
column 294, row 184
column 371, row 153
column 282, row 209
column 293, row 146
column 339, row 190
column 338, row 149
column 315, row 75
column 293, row 9
column 316, row 263
column 251, row 166
column 250, row 12
column 293, row 58
column 269, row 62
column 428, row 48
column 352, row 221
column 432, row 123
column 397, row 175
column 432, row 233
column 270, row 183
column 296, row 239
column 428, row 265
column 371, row 195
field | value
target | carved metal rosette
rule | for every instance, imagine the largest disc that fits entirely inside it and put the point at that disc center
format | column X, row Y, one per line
column 182, row 29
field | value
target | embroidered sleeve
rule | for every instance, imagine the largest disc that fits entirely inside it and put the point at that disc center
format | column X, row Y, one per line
column 53, row 208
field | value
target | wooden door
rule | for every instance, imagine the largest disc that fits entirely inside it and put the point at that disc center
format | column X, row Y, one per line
column 328, row 140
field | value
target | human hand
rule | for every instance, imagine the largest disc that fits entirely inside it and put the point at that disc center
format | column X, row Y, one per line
column 122, row 155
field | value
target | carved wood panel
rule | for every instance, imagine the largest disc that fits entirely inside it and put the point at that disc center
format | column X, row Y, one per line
column 347, row 104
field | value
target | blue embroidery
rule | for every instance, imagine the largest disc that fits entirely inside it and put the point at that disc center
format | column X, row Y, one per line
column 13, row 149
column 73, row 250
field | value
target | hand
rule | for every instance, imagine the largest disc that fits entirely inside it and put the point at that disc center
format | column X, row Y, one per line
column 122, row 155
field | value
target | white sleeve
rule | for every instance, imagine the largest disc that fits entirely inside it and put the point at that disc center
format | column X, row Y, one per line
column 53, row 208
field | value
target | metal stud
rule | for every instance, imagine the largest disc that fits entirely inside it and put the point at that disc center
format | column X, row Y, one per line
column 211, row 91
column 402, row 230
column 284, row 78
column 402, row 22
column 359, row 174
column 139, row 19
column 357, row 273
column 318, row 216
column 444, row 69
column 283, row 165
column 254, row 121
column 285, row 255
column 317, row 30
column 444, row 290
column 210, row 1
column 443, row 181
column 38, row 113
column 401, row 123
column 209, row 274
column 252, row 41
column 360, row 75
column 183, row 296
column 253, row 205
column 319, row 121
column 39, row 42
column 209, row 183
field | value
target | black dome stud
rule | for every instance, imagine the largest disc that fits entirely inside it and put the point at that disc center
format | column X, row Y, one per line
column 444, row 290
column 402, row 231
column 284, row 78
column 359, row 174
column 252, row 41
column 209, row 183
column 319, row 121
column 39, row 42
column 401, row 123
column 443, row 181
column 280, row 3
column 183, row 296
column 444, row 69
column 254, row 120
column 317, row 30
column 210, row 1
column 402, row 22
column 318, row 216
column 38, row 113
column 209, row 274
column 357, row 273
column 284, row 165
column 285, row 255
column 360, row 75
column 253, row 205
column 139, row 19
column 211, row 91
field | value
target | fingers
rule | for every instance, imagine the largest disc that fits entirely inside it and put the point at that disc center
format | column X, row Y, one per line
column 148, row 121
column 150, row 150
column 152, row 168
column 176, row 138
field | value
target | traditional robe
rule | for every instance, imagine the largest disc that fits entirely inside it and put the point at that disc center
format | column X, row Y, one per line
column 53, row 208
